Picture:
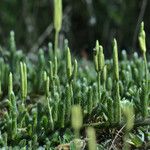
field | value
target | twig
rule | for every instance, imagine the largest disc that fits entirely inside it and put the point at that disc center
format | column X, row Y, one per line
column 44, row 35
column 47, row 32
column 104, row 125
column 141, row 14
column 112, row 145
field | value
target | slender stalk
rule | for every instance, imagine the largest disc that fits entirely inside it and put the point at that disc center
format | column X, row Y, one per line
column 99, row 84
column 68, row 65
column 10, row 86
column 25, row 81
column 56, row 42
column 146, row 67
column 144, row 99
column 104, row 77
column 22, row 82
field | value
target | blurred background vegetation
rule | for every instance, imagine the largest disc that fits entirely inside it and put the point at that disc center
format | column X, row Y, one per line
column 84, row 21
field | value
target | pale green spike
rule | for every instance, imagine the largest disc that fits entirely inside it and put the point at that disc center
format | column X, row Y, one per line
column 97, row 45
column 44, row 75
column 96, row 53
column 128, row 111
column 75, row 69
column 142, row 38
column 91, row 138
column 68, row 64
column 22, row 80
column 57, row 21
column 77, row 119
column 23, row 76
column 115, row 60
column 57, row 14
column 100, row 58
column 25, row 80
column 105, row 73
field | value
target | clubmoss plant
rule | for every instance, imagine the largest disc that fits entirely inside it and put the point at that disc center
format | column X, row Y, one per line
column 68, row 101
column 145, row 92
column 38, row 109
column 90, row 100
column 115, row 60
column 117, row 108
column 56, row 108
column 13, row 115
column 68, row 65
column 99, row 64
